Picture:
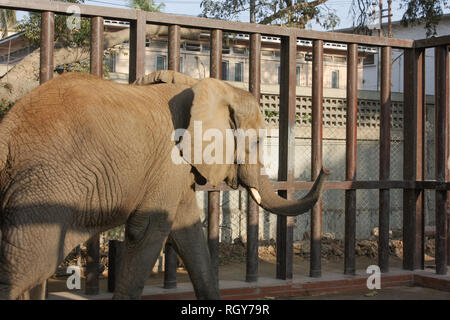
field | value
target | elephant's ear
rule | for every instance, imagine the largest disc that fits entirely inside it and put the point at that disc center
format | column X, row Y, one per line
column 210, row 129
column 166, row 76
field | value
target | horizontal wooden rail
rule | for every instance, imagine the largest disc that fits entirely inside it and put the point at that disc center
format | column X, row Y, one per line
column 432, row 42
column 202, row 23
column 343, row 185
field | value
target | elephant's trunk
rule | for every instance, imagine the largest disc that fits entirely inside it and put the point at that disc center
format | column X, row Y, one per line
column 270, row 201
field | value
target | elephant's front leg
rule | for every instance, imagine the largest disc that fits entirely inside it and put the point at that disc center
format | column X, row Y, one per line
column 190, row 243
column 145, row 234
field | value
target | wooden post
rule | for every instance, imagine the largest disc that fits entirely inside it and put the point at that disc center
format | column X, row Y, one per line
column 442, row 109
column 252, row 206
column 93, row 245
column 137, row 47
column 47, row 46
column 316, row 158
column 286, row 154
column 351, row 156
column 385, row 158
column 413, row 217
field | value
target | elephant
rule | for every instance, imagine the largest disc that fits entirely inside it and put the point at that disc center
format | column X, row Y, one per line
column 80, row 155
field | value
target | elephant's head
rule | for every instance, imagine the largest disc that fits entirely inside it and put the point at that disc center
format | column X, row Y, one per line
column 212, row 143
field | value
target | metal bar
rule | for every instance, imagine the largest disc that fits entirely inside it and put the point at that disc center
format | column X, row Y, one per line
column 316, row 157
column 252, row 206
column 97, row 46
column 174, row 48
column 170, row 266
column 170, row 256
column 47, row 46
column 286, row 153
column 385, row 159
column 441, row 108
column 92, row 259
column 413, row 227
column 137, row 47
column 96, row 66
column 213, row 230
column 201, row 23
column 351, row 151
column 216, row 54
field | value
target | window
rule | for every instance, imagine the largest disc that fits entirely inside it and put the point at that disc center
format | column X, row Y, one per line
column 225, row 70
column 111, row 61
column 279, row 74
column 369, row 60
column 181, row 65
column 160, row 62
column 192, row 46
column 297, row 76
column 239, row 71
column 239, row 50
column 335, row 79
column 206, row 47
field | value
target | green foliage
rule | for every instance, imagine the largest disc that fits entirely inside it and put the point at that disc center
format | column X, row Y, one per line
column 64, row 37
column 271, row 114
column 427, row 12
column 279, row 12
column 4, row 107
column 147, row 5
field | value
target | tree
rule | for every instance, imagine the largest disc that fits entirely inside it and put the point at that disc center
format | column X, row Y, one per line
column 291, row 13
column 7, row 20
column 147, row 5
column 426, row 12
column 71, row 48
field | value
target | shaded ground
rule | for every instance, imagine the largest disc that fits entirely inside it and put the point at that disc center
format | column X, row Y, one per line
column 398, row 293
column 232, row 260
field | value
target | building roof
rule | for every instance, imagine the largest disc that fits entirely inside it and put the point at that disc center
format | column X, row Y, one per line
column 264, row 39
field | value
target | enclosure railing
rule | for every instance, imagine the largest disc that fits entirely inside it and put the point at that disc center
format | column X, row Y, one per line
column 413, row 183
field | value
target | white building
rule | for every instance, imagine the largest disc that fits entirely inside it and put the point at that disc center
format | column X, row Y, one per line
column 417, row 32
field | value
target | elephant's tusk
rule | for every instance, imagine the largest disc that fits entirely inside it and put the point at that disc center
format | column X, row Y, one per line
column 256, row 195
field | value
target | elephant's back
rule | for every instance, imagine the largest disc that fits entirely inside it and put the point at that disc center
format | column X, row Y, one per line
column 82, row 136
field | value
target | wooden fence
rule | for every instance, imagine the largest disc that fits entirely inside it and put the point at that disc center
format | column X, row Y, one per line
column 413, row 183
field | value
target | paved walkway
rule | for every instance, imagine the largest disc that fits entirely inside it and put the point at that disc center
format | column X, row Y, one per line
column 398, row 293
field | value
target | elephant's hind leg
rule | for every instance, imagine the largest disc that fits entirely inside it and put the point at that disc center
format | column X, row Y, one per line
column 31, row 248
column 146, row 232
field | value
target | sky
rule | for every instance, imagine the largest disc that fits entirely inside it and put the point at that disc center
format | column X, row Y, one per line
column 192, row 8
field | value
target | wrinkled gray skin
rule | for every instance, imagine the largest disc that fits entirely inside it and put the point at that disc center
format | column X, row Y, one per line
column 80, row 155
